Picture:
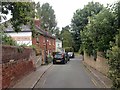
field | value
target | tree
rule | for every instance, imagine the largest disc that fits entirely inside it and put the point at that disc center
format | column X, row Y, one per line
column 99, row 32
column 80, row 20
column 114, row 63
column 22, row 13
column 114, row 52
column 67, row 37
column 47, row 17
column 102, row 33
column 57, row 33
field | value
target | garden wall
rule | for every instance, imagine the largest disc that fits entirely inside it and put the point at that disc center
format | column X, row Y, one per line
column 100, row 64
column 16, row 62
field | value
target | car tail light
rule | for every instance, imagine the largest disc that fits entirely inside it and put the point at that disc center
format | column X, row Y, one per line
column 62, row 55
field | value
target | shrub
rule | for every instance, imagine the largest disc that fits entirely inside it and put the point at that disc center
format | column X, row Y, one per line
column 7, row 40
column 114, row 63
column 69, row 49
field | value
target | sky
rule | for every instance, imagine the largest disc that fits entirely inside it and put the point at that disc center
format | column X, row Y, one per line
column 64, row 9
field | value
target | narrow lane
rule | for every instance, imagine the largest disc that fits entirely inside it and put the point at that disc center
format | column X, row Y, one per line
column 71, row 75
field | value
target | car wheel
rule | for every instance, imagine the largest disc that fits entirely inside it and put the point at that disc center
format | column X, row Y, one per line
column 64, row 62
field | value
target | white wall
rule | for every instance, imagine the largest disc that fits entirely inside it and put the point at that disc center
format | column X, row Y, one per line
column 58, row 45
column 22, row 37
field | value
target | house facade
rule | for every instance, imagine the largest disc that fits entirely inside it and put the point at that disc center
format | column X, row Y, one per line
column 59, row 46
column 23, row 37
column 43, row 41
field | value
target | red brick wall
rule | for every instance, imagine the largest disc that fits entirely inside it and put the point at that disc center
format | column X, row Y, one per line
column 42, row 43
column 33, row 41
column 15, row 64
column 37, row 22
column 50, row 44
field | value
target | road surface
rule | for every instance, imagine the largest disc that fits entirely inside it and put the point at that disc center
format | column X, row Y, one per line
column 70, row 75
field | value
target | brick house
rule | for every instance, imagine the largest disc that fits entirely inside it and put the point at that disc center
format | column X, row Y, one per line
column 44, row 41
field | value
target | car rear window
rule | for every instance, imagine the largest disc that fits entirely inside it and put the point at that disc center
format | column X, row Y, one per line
column 70, row 52
column 58, row 56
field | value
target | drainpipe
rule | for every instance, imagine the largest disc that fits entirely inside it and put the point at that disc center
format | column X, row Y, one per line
column 46, row 59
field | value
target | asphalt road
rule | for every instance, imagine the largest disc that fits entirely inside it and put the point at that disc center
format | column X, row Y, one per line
column 70, row 75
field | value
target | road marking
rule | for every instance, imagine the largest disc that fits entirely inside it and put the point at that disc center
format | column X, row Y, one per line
column 100, row 80
column 94, row 81
column 88, row 70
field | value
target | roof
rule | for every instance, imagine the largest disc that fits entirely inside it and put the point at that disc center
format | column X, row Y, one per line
column 24, row 28
column 45, row 33
column 57, row 40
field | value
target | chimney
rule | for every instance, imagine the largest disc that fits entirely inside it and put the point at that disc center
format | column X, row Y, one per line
column 37, row 22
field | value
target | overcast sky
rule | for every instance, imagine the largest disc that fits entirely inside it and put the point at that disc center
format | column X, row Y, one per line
column 64, row 9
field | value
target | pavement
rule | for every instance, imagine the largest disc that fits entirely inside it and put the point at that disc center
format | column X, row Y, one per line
column 30, row 80
column 101, row 77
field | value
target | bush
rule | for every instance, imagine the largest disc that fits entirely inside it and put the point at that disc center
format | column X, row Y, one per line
column 69, row 49
column 7, row 40
column 49, row 59
column 114, row 63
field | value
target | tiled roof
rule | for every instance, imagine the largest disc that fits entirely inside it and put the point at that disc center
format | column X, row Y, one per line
column 45, row 33
column 57, row 40
column 24, row 28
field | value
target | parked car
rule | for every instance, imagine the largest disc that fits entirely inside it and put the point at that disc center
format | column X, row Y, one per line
column 67, row 56
column 60, row 58
column 71, row 54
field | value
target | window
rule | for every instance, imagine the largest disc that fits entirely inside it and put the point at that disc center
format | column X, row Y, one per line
column 49, row 42
column 53, row 42
column 37, row 40
column 58, row 45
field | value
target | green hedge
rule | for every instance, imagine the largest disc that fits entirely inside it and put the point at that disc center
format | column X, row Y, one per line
column 69, row 49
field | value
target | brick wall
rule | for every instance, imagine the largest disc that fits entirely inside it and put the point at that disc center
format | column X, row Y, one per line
column 16, row 64
column 100, row 64
column 43, row 41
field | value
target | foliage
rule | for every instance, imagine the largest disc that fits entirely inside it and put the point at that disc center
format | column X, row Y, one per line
column 49, row 58
column 99, row 32
column 47, row 17
column 67, row 37
column 114, row 62
column 114, row 52
column 2, row 27
column 33, row 47
column 7, row 40
column 100, row 35
column 69, row 49
column 22, row 13
column 57, row 33
column 80, row 20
